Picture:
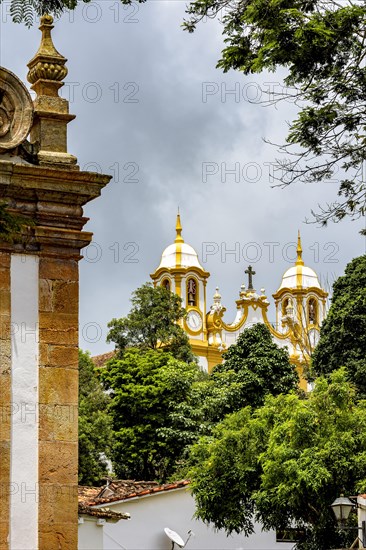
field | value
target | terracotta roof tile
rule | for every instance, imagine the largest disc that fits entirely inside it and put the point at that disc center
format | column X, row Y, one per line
column 103, row 513
column 101, row 360
column 124, row 490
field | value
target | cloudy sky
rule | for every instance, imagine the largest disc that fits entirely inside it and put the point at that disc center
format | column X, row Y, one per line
column 153, row 111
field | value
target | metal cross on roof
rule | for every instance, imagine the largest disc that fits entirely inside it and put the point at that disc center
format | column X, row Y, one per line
column 250, row 274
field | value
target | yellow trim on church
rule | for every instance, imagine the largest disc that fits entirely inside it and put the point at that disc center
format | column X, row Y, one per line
column 209, row 342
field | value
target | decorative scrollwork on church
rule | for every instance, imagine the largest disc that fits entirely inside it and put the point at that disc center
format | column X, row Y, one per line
column 16, row 111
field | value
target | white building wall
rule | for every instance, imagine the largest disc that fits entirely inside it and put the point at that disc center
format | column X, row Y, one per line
column 175, row 509
column 90, row 534
column 24, row 397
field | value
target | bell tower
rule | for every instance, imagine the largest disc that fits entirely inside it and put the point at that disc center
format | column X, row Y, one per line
column 182, row 273
column 300, row 307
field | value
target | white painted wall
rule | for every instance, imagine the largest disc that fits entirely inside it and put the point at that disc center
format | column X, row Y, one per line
column 361, row 512
column 90, row 534
column 173, row 509
column 24, row 389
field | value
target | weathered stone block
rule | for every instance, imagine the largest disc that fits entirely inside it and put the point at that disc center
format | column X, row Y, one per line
column 63, row 356
column 4, row 472
column 58, row 422
column 60, row 328
column 5, row 326
column 57, row 504
column 4, row 534
column 45, row 295
column 6, row 408
column 4, row 278
column 58, row 462
column 58, row 385
column 52, row 268
column 4, row 260
column 60, row 536
column 4, row 300
column 66, row 297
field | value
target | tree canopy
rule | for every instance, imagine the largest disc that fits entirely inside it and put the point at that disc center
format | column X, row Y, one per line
column 24, row 11
column 343, row 333
column 152, row 323
column 161, row 405
column 284, row 463
column 95, row 425
column 260, row 365
column 11, row 224
column 153, row 419
column 253, row 367
column 321, row 45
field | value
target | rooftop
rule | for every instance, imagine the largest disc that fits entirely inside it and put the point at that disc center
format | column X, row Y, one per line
column 123, row 490
column 102, row 513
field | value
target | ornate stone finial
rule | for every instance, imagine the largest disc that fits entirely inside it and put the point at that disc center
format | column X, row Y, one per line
column 49, row 132
column 242, row 290
column 178, row 228
column 299, row 260
column 217, row 305
column 16, row 111
column 47, row 69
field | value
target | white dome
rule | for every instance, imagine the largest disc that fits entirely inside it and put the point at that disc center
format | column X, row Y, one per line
column 179, row 255
column 300, row 276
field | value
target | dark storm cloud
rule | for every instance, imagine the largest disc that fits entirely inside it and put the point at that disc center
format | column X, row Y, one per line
column 153, row 111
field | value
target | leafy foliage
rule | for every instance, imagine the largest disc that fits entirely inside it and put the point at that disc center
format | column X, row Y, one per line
column 284, row 463
column 343, row 333
column 153, row 419
column 11, row 225
column 253, row 367
column 95, row 425
column 24, row 11
column 261, row 367
column 321, row 44
column 160, row 405
column 152, row 323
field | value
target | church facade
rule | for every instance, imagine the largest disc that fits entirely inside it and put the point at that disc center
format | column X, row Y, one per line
column 300, row 304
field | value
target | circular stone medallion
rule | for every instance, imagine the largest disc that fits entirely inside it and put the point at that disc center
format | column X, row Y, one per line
column 4, row 122
column 16, row 111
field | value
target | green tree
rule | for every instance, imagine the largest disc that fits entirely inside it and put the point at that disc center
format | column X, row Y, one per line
column 253, row 368
column 321, row 45
column 284, row 463
column 343, row 333
column 24, row 11
column 152, row 323
column 95, row 424
column 11, row 225
column 153, row 419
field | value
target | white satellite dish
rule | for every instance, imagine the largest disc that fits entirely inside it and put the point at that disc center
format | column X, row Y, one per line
column 174, row 537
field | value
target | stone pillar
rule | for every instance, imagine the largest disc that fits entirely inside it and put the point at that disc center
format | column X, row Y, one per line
column 39, row 285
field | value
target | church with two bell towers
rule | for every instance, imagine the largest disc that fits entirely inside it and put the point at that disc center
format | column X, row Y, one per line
column 300, row 304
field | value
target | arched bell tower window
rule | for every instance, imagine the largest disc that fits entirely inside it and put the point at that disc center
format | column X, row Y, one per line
column 312, row 312
column 285, row 304
column 192, row 292
column 166, row 284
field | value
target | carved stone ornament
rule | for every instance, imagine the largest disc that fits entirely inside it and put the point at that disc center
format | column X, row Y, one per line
column 16, row 111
